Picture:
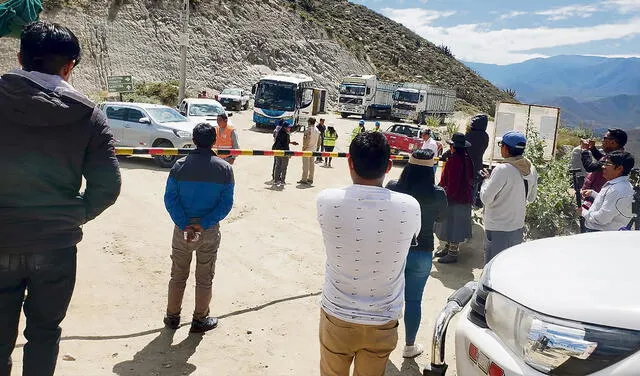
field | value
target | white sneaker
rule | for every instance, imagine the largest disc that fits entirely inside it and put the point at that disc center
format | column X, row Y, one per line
column 412, row 351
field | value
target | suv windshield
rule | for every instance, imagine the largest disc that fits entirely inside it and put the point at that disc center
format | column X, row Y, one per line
column 275, row 96
column 200, row 109
column 231, row 92
column 165, row 115
column 352, row 90
column 406, row 96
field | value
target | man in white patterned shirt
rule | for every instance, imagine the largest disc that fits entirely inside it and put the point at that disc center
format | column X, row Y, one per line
column 367, row 232
column 611, row 209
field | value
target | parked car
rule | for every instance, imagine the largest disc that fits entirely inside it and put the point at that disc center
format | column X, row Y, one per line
column 149, row 125
column 549, row 307
column 234, row 98
column 201, row 110
column 405, row 138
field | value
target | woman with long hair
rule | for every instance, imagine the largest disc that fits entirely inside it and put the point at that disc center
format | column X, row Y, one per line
column 417, row 179
column 457, row 181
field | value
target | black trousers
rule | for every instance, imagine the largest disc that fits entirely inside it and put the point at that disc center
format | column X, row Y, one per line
column 48, row 278
column 280, row 169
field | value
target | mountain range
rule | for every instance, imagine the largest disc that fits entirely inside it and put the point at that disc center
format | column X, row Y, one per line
column 592, row 91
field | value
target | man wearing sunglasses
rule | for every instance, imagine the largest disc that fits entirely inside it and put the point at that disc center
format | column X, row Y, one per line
column 611, row 209
column 53, row 138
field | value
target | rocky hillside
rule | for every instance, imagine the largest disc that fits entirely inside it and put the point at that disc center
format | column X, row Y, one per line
column 233, row 42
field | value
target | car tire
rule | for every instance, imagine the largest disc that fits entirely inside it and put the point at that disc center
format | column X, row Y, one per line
column 165, row 161
column 344, row 116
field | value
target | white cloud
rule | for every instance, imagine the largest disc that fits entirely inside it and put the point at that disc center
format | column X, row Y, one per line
column 512, row 14
column 476, row 42
column 624, row 6
column 562, row 13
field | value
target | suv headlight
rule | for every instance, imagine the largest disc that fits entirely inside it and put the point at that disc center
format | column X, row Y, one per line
column 182, row 134
column 555, row 346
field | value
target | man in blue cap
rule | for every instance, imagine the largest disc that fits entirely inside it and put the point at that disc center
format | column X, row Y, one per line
column 357, row 130
column 505, row 193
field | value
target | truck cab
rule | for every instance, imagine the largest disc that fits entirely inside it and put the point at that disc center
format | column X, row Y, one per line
column 549, row 307
column 416, row 102
column 365, row 96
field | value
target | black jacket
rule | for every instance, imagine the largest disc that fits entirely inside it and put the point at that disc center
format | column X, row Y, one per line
column 282, row 140
column 52, row 138
column 479, row 140
column 432, row 209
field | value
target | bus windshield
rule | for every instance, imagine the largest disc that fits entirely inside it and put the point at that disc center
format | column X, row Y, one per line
column 358, row 90
column 276, row 96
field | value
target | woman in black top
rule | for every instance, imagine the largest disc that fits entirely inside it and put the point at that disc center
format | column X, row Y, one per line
column 417, row 179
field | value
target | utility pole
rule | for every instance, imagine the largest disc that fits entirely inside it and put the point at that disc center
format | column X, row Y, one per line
column 184, row 45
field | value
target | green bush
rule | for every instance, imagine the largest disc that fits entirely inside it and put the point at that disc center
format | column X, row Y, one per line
column 432, row 122
column 553, row 213
column 164, row 92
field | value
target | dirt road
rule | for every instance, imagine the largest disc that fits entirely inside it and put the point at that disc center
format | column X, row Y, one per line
column 266, row 290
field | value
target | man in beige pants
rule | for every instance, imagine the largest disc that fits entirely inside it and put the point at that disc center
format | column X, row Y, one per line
column 199, row 195
column 367, row 231
column 309, row 143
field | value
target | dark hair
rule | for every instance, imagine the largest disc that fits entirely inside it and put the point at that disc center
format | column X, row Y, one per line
column 514, row 152
column 223, row 116
column 204, row 135
column 331, row 130
column 312, row 120
column 47, row 47
column 624, row 159
column 416, row 180
column 370, row 152
column 619, row 136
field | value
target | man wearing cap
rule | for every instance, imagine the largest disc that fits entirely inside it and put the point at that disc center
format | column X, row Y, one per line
column 615, row 139
column 359, row 129
column 226, row 137
column 611, row 209
column 282, row 142
column 505, row 193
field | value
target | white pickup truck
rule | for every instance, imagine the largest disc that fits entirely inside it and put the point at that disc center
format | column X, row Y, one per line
column 563, row 306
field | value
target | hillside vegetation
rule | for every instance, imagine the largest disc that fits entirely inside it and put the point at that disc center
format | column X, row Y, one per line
column 234, row 42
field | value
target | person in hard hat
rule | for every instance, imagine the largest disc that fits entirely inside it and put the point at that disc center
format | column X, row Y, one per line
column 329, row 143
column 359, row 129
column 226, row 136
column 377, row 127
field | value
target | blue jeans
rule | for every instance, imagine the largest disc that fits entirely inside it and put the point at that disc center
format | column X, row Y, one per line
column 416, row 274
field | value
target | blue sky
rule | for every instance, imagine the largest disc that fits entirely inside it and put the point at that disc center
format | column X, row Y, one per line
column 505, row 32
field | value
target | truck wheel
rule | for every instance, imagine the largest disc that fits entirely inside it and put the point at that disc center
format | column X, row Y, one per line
column 165, row 161
column 344, row 116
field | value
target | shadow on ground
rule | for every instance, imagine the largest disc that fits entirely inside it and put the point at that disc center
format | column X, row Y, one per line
column 409, row 367
column 471, row 257
column 139, row 163
column 161, row 358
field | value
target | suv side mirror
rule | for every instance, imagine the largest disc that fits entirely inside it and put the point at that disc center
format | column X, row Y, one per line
column 144, row 120
column 253, row 89
column 229, row 114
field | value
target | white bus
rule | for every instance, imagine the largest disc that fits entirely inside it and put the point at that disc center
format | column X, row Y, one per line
column 283, row 97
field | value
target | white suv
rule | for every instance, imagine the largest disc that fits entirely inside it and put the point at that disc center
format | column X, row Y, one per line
column 560, row 306
column 148, row 125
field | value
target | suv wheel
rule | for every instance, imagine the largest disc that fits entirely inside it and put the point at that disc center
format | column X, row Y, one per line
column 165, row 161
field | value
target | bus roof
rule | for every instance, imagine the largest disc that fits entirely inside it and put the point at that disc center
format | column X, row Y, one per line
column 293, row 78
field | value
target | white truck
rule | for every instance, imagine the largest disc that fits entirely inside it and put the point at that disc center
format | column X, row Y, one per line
column 416, row 102
column 366, row 96
column 549, row 307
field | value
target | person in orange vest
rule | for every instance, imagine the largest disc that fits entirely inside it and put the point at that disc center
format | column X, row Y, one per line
column 226, row 137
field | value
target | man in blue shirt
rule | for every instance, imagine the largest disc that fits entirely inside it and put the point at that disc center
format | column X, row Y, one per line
column 198, row 196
